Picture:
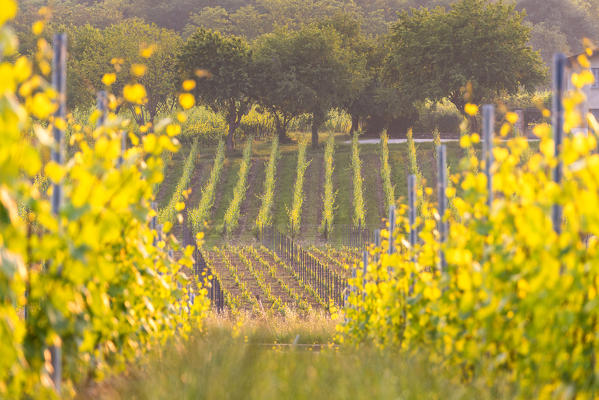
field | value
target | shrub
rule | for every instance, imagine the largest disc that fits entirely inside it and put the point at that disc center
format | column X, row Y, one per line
column 443, row 116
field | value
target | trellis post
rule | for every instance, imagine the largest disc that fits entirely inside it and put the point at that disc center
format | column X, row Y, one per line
column 442, row 199
column 559, row 66
column 391, row 229
column 364, row 271
column 488, row 128
column 102, row 106
column 377, row 243
column 59, row 83
column 412, row 210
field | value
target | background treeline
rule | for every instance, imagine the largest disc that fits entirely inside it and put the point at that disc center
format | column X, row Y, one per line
column 557, row 25
column 307, row 58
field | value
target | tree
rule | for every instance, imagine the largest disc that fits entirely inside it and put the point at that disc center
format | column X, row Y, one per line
column 248, row 22
column 124, row 41
column 214, row 18
column 360, row 53
column 548, row 40
column 300, row 72
column 566, row 16
column 91, row 51
column 227, row 85
column 436, row 53
column 88, row 60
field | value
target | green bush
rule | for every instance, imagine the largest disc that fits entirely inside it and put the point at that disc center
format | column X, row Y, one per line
column 442, row 115
column 257, row 123
column 205, row 124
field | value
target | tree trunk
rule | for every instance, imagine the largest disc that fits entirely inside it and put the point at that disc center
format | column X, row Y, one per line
column 139, row 118
column 315, row 125
column 281, row 130
column 355, row 121
column 282, row 133
column 318, row 117
column 229, row 140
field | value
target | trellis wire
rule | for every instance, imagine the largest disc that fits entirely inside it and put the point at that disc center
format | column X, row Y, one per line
column 311, row 270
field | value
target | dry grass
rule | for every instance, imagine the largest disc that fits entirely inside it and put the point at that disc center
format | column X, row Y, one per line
column 227, row 360
column 313, row 327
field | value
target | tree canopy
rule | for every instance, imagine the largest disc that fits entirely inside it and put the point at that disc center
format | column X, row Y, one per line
column 222, row 67
column 436, row 53
column 303, row 57
column 116, row 49
column 300, row 72
column 571, row 20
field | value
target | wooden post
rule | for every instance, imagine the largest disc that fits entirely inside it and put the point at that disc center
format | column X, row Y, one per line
column 412, row 222
column 59, row 77
column 559, row 65
column 354, row 274
column 488, row 128
column 153, row 222
column 102, row 106
column 59, row 83
column 442, row 197
column 364, row 271
column 123, row 145
column 377, row 243
column 391, row 229
column 412, row 209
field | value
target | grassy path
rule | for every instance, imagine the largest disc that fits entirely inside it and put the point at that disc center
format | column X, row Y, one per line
column 224, row 192
column 373, row 185
column 286, row 172
column 312, row 206
column 197, row 182
column 251, row 202
column 398, row 157
column 342, row 182
column 254, row 359
column 172, row 171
